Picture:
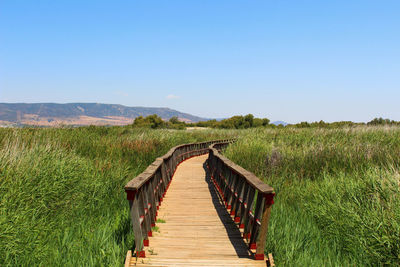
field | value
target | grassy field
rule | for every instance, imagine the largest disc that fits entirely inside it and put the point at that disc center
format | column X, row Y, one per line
column 61, row 191
column 338, row 193
column 62, row 200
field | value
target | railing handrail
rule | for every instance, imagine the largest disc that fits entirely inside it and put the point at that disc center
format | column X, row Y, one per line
column 246, row 197
column 143, row 177
column 249, row 176
column 146, row 192
column 244, row 194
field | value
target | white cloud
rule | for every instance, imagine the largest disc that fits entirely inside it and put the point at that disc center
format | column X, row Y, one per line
column 173, row 97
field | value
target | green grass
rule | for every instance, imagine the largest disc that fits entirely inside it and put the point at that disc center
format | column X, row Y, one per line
column 338, row 193
column 61, row 191
column 62, row 200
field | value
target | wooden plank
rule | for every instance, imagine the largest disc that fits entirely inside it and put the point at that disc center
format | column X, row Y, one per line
column 128, row 258
column 201, row 262
column 142, row 178
column 198, row 230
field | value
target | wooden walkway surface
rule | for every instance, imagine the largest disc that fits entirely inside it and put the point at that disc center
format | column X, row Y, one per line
column 198, row 230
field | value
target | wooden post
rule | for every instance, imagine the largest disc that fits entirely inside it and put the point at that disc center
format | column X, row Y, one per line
column 255, row 227
column 262, row 235
column 236, row 206
column 232, row 180
column 249, row 203
column 242, row 213
column 146, row 228
column 132, row 196
column 151, row 197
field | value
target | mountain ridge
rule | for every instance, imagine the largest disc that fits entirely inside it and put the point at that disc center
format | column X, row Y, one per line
column 51, row 114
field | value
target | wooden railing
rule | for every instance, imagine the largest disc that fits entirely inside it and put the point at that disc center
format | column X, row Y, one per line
column 247, row 198
column 146, row 192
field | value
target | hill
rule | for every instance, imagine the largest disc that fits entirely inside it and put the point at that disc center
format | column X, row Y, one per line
column 52, row 114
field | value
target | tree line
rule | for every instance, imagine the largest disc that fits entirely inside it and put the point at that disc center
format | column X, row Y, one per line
column 245, row 122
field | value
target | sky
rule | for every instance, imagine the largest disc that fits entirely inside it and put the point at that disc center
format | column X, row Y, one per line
column 290, row 60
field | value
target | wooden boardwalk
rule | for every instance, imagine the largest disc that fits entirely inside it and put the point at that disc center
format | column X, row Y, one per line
column 194, row 227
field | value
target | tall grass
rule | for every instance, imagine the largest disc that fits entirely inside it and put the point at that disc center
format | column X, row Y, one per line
column 338, row 193
column 61, row 191
column 62, row 200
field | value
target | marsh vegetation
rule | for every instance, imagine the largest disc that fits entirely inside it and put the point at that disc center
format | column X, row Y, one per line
column 338, row 202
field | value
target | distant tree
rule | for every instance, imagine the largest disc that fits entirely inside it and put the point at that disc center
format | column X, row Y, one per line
column 156, row 122
column 174, row 120
column 257, row 122
column 238, row 122
column 381, row 121
column 320, row 124
column 212, row 123
column 265, row 121
column 235, row 122
column 249, row 119
column 139, row 122
column 339, row 124
column 151, row 121
column 303, row 124
column 175, row 123
column 205, row 123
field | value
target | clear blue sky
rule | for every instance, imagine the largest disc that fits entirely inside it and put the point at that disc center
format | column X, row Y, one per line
column 292, row 60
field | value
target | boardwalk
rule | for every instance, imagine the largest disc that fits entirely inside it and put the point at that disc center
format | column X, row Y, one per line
column 198, row 230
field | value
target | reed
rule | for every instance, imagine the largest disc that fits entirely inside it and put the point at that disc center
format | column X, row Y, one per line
column 62, row 200
column 337, row 193
column 337, row 204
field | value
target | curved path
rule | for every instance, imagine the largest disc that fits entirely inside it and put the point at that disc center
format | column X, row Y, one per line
column 194, row 227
